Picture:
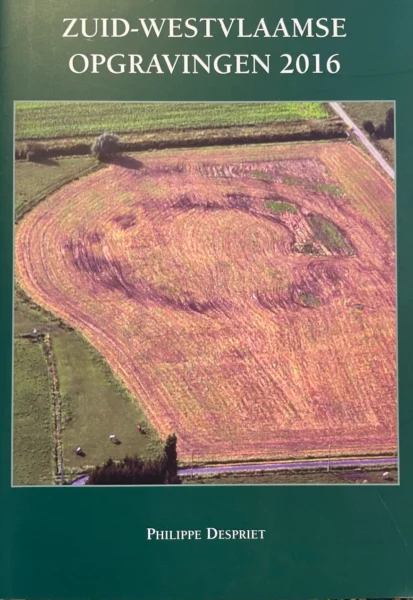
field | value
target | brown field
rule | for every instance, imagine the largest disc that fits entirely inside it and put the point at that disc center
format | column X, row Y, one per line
column 245, row 295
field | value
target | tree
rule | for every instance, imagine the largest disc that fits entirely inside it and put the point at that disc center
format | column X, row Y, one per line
column 389, row 123
column 369, row 127
column 105, row 145
column 171, row 456
column 131, row 470
column 34, row 151
column 380, row 132
column 386, row 129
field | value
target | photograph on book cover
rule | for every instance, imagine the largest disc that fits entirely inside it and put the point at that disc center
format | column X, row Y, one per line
column 204, row 293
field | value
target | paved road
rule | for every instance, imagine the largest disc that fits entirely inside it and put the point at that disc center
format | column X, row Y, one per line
column 389, row 461
column 278, row 466
column 363, row 139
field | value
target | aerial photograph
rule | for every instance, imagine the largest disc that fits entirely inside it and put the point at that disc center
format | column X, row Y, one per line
column 204, row 293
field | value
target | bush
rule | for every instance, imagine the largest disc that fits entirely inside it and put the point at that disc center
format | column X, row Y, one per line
column 389, row 123
column 380, row 132
column 129, row 471
column 133, row 470
column 386, row 130
column 32, row 151
column 171, row 457
column 105, row 145
column 369, row 127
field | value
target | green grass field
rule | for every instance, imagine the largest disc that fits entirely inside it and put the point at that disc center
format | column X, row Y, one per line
column 36, row 120
column 95, row 404
column 32, row 416
column 373, row 111
column 27, row 318
column 35, row 180
column 376, row 112
column 288, row 477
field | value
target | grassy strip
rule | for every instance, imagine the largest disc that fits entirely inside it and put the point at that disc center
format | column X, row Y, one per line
column 307, row 457
column 38, row 120
column 32, row 416
column 323, row 129
column 56, row 405
column 338, row 476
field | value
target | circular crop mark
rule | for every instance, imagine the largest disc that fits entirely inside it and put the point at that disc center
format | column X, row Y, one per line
column 222, row 302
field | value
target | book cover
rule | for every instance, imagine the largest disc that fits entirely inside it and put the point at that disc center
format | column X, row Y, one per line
column 206, row 283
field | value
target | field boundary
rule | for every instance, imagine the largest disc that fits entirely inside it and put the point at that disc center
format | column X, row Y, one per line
column 259, row 462
column 294, row 131
column 53, row 188
column 363, row 139
column 58, row 419
column 56, row 406
column 292, row 465
column 284, row 467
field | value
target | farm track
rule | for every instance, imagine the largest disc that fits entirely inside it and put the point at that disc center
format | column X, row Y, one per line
column 194, row 291
column 291, row 466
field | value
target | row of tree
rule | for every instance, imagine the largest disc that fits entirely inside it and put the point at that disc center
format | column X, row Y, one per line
column 383, row 130
column 133, row 470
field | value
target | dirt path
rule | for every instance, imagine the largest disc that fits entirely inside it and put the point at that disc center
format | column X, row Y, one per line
column 363, row 139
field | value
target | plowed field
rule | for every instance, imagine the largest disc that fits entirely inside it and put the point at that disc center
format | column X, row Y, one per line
column 245, row 295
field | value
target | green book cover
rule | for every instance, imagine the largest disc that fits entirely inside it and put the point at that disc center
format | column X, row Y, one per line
column 206, row 300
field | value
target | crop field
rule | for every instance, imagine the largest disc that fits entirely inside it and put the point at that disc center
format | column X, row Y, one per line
column 244, row 295
column 90, row 395
column 35, row 120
